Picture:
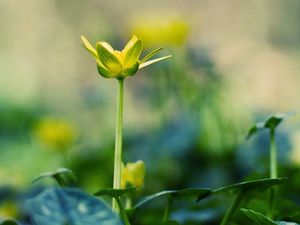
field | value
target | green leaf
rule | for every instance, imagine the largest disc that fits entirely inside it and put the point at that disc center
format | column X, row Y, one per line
column 115, row 193
column 8, row 222
column 144, row 64
column 201, row 192
column 148, row 56
column 132, row 54
column 63, row 176
column 249, row 186
column 108, row 57
column 253, row 185
column 253, row 130
column 273, row 121
column 60, row 206
column 258, row 218
column 286, row 223
column 270, row 123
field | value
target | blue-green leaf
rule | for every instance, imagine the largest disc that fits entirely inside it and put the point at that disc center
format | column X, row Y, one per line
column 61, row 206
column 286, row 223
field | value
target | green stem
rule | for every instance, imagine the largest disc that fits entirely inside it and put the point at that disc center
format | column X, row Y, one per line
column 232, row 208
column 118, row 144
column 122, row 211
column 168, row 208
column 273, row 155
column 273, row 170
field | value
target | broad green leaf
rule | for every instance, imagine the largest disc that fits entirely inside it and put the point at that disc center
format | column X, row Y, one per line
column 108, row 57
column 148, row 56
column 132, row 54
column 8, row 222
column 201, row 192
column 248, row 186
column 115, row 193
column 258, row 218
column 60, row 206
column 252, row 185
column 270, row 123
column 87, row 45
column 144, row 64
column 63, row 176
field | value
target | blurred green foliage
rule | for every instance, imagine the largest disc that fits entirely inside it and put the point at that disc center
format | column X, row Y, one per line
column 233, row 64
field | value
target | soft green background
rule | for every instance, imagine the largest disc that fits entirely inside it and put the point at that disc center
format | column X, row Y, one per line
column 234, row 62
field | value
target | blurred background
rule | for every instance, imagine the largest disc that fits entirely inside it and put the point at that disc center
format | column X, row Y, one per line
column 234, row 63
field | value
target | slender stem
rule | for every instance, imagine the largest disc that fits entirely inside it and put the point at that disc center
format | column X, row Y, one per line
column 118, row 144
column 232, row 208
column 128, row 202
column 122, row 211
column 168, row 208
column 273, row 170
column 273, row 155
column 272, row 193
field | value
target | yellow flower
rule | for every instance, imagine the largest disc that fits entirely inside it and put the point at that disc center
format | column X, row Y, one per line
column 172, row 31
column 57, row 134
column 133, row 174
column 120, row 64
column 8, row 209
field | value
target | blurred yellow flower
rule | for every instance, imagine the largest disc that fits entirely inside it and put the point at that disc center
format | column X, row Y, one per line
column 133, row 174
column 8, row 209
column 120, row 64
column 169, row 31
column 57, row 134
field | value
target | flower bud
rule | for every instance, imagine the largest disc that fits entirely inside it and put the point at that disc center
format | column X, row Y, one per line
column 133, row 174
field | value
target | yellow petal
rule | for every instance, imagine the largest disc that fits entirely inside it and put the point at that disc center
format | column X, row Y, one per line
column 87, row 45
column 104, row 72
column 107, row 56
column 144, row 64
column 130, row 43
column 132, row 54
column 148, row 56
